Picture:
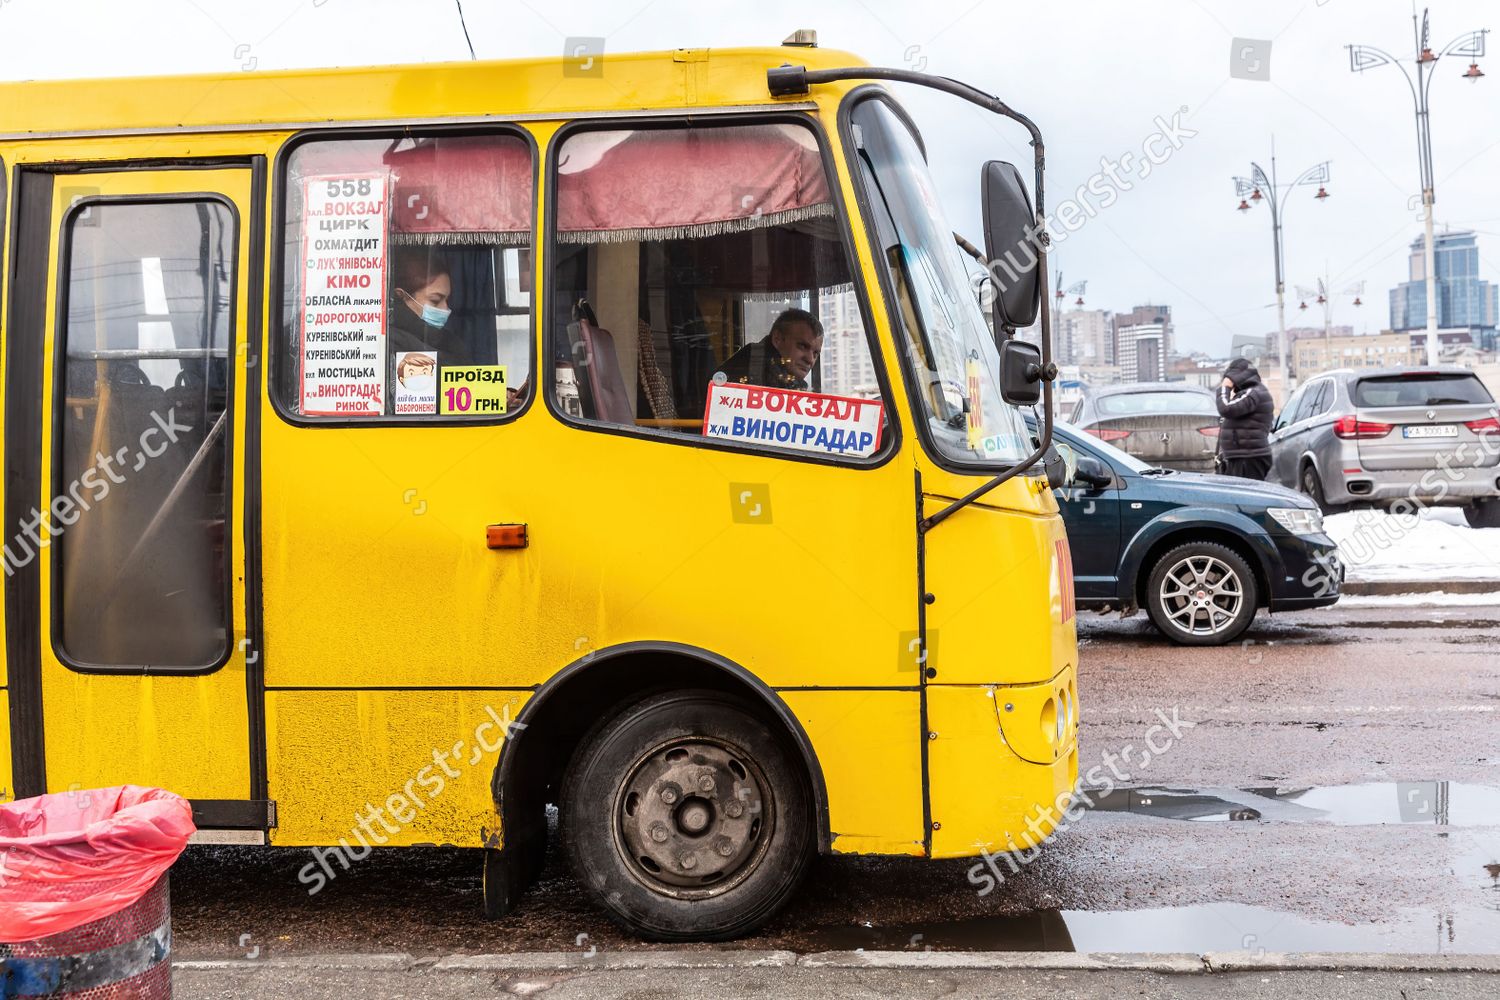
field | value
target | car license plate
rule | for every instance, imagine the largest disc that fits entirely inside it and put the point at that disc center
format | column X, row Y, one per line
column 1430, row 431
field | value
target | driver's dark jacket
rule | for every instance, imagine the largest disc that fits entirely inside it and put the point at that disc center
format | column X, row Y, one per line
column 760, row 363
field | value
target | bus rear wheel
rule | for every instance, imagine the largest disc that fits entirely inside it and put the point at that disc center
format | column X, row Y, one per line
column 687, row 818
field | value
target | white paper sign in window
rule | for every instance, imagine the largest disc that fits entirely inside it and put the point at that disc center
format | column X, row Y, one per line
column 344, row 235
column 805, row 421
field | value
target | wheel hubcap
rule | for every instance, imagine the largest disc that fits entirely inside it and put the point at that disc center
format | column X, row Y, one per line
column 693, row 818
column 1201, row 595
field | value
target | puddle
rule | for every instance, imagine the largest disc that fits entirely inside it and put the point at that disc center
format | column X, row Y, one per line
column 1471, row 927
column 1192, row 929
column 1438, row 803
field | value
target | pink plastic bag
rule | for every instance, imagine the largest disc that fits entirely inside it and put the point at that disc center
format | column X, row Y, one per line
column 69, row 858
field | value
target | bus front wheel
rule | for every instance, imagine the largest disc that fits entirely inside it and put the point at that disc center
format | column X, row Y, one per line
column 687, row 817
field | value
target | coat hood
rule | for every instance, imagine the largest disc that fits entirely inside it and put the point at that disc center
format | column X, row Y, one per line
column 1241, row 372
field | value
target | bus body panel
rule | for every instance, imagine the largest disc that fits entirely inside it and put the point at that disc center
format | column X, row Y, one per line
column 489, row 90
column 996, row 576
column 7, row 781
column 376, row 567
column 985, row 797
column 424, row 759
column 869, row 745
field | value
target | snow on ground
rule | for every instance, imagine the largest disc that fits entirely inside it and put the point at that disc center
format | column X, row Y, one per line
column 1433, row 600
column 1433, row 544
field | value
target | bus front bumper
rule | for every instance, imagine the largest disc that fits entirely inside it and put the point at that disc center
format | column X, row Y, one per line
column 1002, row 763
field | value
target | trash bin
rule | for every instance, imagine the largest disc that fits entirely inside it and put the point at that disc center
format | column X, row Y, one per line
column 84, row 909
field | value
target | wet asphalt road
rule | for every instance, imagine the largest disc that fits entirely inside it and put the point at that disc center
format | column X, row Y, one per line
column 715, row 984
column 1369, row 738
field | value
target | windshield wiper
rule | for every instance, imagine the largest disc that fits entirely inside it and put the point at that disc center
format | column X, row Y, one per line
column 1157, row 470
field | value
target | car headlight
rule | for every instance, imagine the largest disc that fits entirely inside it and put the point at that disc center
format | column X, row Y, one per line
column 1298, row 520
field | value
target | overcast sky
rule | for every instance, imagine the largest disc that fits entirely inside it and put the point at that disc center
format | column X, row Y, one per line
column 1094, row 74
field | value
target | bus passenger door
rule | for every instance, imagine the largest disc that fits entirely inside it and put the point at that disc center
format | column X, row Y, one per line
column 131, row 465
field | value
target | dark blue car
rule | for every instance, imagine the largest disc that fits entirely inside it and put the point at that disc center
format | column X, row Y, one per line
column 1200, row 553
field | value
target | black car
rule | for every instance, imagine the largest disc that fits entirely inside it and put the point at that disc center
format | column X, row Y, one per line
column 1200, row 553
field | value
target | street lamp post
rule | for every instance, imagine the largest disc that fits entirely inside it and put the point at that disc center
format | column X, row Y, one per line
column 1249, row 190
column 1363, row 57
column 1077, row 288
column 1324, row 294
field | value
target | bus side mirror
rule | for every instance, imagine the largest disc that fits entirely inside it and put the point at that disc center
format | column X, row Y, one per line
column 1021, row 372
column 1010, row 246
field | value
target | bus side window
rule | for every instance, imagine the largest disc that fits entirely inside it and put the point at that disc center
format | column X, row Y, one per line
column 406, row 278
column 141, row 457
column 693, row 257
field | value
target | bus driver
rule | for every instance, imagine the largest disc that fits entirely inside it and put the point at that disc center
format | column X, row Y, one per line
column 784, row 358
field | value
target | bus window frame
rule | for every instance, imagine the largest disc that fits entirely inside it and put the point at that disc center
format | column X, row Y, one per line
column 891, row 436
column 59, row 372
column 276, row 286
column 862, row 194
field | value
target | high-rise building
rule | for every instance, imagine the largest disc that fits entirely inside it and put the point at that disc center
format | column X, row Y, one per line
column 1141, row 353
column 1085, row 337
column 1464, row 300
column 1146, row 315
column 847, row 368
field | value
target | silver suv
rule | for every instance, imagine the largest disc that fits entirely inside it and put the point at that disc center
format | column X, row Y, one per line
column 1375, row 436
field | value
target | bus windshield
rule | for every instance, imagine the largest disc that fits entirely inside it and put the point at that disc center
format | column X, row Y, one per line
column 947, row 342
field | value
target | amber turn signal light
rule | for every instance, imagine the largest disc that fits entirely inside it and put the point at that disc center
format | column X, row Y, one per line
column 505, row 536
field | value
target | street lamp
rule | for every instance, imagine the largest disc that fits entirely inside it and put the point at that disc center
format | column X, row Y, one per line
column 1063, row 291
column 1363, row 57
column 1253, row 187
column 1076, row 288
column 1325, row 294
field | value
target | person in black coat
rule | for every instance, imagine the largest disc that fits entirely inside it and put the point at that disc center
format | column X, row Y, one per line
column 784, row 358
column 1246, row 412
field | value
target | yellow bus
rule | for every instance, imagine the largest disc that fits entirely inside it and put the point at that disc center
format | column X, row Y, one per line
column 394, row 453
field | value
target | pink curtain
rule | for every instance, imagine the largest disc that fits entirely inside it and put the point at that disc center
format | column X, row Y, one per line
column 680, row 183
column 467, row 189
column 615, row 186
column 473, row 189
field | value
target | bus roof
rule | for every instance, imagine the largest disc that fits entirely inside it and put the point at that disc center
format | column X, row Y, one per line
column 528, row 88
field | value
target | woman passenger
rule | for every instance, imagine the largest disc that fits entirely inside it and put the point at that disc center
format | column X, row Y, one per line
column 420, row 308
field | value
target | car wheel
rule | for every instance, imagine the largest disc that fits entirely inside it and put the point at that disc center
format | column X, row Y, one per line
column 686, row 818
column 1201, row 594
column 1312, row 486
column 1483, row 514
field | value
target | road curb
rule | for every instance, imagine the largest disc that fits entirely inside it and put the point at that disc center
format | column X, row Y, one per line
column 1207, row 963
column 396, row 962
column 1388, row 588
column 1055, row 960
column 616, row 960
column 1244, row 961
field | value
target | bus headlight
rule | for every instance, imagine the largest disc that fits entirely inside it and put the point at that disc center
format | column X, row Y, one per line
column 1051, row 722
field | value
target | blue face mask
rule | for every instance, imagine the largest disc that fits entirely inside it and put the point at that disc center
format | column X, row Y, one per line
column 431, row 315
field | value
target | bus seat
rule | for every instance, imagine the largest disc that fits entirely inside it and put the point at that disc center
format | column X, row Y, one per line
column 611, row 402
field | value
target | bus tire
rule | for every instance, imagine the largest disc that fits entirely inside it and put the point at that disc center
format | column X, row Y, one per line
column 687, row 817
